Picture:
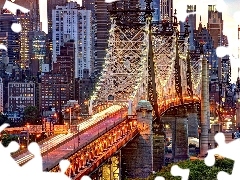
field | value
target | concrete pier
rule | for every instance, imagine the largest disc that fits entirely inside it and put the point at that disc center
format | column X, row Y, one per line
column 137, row 156
column 193, row 123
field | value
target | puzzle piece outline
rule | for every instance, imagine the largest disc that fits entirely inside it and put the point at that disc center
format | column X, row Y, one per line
column 224, row 149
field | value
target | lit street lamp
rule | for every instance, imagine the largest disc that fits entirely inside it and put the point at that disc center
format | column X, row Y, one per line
column 28, row 134
column 70, row 114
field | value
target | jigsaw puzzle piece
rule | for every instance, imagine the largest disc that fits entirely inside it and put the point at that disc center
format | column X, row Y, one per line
column 14, row 7
column 224, row 176
column 159, row 178
column 86, row 178
column 36, row 161
column 209, row 160
column 64, row 164
column 228, row 150
column 3, row 126
column 177, row 171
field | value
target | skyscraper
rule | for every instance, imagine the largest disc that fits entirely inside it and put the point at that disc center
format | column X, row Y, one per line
column 24, row 20
column 13, row 44
column 51, row 5
column 191, row 20
column 101, row 20
column 156, row 7
column 37, row 49
column 215, row 25
column 72, row 23
column 166, row 9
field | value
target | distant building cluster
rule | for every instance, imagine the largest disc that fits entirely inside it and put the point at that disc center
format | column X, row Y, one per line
column 47, row 70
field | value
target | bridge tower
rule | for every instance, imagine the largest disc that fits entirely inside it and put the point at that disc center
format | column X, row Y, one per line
column 204, row 106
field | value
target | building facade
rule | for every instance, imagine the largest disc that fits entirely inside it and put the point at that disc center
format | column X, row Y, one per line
column 38, row 51
column 166, row 9
column 65, row 65
column 24, row 20
column 102, row 24
column 20, row 95
column 215, row 25
column 72, row 23
column 54, row 91
column 1, row 96
column 13, row 44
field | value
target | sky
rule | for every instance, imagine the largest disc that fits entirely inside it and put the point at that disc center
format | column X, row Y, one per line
column 231, row 17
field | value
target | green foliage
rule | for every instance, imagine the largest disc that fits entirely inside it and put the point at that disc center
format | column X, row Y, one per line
column 7, row 138
column 198, row 170
column 31, row 114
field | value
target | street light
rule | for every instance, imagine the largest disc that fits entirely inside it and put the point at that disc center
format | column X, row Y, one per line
column 70, row 114
column 70, row 118
column 28, row 134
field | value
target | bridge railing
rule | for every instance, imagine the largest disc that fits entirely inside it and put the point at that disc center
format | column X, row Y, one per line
column 104, row 134
column 55, row 164
column 20, row 152
column 70, row 138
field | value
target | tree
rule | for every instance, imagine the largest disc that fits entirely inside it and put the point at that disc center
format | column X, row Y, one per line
column 198, row 170
column 7, row 138
column 31, row 114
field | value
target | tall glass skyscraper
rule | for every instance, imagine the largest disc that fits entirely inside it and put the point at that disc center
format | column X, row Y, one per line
column 156, row 7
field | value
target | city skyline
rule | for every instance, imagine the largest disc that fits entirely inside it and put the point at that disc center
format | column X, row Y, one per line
column 230, row 24
column 229, row 11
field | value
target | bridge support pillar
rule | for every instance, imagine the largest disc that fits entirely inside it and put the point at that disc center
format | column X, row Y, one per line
column 180, row 137
column 178, row 120
column 110, row 170
column 90, row 108
column 137, row 156
column 193, row 123
column 130, row 107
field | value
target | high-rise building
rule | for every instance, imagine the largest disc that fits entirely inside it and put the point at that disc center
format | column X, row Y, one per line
column 72, row 23
column 51, row 5
column 54, row 91
column 4, row 41
column 1, row 95
column 101, row 20
column 65, row 65
column 155, row 5
column 166, row 9
column 35, row 15
column 24, row 20
column 13, row 44
column 37, row 49
column 215, row 25
column 191, row 21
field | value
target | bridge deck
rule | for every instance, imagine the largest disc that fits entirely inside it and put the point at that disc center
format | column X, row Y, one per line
column 87, row 159
column 52, row 158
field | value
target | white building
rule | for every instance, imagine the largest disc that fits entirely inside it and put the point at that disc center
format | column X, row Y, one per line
column 70, row 22
column 1, row 95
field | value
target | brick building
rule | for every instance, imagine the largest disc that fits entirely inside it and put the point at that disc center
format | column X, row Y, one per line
column 54, row 91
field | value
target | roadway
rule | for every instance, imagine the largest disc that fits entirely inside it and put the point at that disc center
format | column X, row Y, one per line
column 56, row 155
column 53, row 142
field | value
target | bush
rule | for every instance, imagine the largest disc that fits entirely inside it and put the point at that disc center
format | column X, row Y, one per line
column 198, row 170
